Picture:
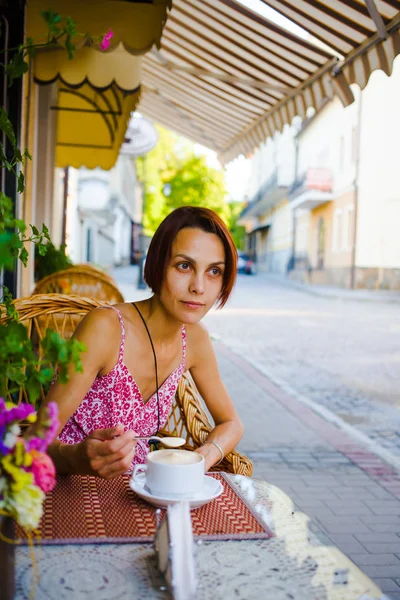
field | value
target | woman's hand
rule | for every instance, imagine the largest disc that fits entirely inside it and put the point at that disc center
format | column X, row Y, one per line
column 106, row 453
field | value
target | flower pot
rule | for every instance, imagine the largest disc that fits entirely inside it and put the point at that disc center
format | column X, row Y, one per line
column 7, row 558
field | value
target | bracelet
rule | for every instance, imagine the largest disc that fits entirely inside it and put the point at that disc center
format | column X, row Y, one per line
column 219, row 448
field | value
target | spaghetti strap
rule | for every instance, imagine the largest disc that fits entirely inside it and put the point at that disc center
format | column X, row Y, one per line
column 184, row 344
column 121, row 322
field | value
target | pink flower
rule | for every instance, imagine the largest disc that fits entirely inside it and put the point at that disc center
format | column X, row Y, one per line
column 105, row 42
column 43, row 471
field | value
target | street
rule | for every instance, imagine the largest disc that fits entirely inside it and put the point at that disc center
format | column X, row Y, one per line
column 341, row 354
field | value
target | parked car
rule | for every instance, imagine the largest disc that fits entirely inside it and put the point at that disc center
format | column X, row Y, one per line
column 246, row 264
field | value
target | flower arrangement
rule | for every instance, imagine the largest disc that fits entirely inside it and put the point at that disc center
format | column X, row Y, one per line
column 26, row 471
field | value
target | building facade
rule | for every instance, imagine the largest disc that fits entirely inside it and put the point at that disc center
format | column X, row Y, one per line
column 104, row 214
column 325, row 200
column 267, row 217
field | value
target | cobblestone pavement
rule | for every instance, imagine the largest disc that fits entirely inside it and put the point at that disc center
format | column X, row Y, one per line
column 346, row 356
column 341, row 354
column 351, row 496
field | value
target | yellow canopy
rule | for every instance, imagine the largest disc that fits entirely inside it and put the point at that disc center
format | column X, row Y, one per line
column 137, row 25
column 99, row 69
column 97, row 91
column 91, row 124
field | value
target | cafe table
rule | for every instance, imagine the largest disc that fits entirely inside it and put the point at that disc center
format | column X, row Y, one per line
column 286, row 561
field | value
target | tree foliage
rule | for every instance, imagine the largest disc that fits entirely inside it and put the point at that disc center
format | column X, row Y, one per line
column 173, row 176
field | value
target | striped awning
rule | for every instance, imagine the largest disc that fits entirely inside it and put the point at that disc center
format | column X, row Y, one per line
column 228, row 78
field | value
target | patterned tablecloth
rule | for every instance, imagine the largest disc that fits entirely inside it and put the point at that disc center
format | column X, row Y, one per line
column 292, row 565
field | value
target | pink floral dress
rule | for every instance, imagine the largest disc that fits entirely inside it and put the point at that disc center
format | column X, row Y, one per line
column 115, row 398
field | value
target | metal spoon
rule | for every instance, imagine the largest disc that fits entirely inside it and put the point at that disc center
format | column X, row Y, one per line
column 168, row 442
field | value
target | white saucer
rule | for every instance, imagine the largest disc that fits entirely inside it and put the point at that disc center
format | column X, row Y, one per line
column 212, row 488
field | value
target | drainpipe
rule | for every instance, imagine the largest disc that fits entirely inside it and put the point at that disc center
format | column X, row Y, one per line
column 65, row 206
column 292, row 262
column 356, row 185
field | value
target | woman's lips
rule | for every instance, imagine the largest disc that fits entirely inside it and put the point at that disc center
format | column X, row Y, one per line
column 192, row 305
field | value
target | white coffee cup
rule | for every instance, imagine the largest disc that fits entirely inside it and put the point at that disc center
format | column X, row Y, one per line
column 172, row 473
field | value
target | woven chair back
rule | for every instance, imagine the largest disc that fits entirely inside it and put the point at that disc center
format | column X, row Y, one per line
column 91, row 269
column 188, row 418
column 81, row 282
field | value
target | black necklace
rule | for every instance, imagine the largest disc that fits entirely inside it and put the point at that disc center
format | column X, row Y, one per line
column 155, row 365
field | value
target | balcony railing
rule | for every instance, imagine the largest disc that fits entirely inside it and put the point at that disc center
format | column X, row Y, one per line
column 315, row 178
column 268, row 186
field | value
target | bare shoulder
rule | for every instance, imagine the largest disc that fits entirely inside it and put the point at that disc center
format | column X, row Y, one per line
column 199, row 345
column 99, row 322
column 197, row 333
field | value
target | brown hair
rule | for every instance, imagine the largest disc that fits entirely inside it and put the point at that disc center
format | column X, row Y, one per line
column 193, row 217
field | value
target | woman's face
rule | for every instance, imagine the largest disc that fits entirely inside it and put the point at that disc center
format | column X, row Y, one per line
column 194, row 275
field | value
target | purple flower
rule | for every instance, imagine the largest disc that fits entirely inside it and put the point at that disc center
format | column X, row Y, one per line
column 20, row 412
column 53, row 422
column 105, row 42
column 36, row 443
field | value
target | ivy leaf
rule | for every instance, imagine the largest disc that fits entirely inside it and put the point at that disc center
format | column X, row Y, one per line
column 53, row 20
column 21, row 182
column 70, row 27
column 6, row 254
column 16, row 67
column 33, row 389
column 35, row 230
column 17, row 155
column 70, row 47
column 42, row 249
column 20, row 223
column 23, row 256
column 3, row 157
column 6, row 126
column 30, row 47
column 26, row 154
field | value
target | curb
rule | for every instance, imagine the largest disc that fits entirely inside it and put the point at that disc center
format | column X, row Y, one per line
column 335, row 294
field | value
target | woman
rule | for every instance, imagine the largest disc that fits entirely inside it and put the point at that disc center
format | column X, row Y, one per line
column 191, row 265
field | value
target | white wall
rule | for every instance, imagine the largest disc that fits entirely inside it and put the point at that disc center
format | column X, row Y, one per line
column 106, row 203
column 328, row 142
column 275, row 154
column 379, row 180
column 74, row 226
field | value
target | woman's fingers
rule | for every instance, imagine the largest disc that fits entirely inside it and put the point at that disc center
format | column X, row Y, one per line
column 106, row 446
column 118, row 467
column 110, row 457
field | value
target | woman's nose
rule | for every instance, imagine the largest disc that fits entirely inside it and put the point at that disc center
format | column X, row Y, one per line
column 197, row 284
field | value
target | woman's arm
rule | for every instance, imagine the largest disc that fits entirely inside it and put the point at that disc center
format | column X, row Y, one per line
column 203, row 366
column 106, row 453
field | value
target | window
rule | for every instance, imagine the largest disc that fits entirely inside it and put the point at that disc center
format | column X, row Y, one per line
column 337, row 230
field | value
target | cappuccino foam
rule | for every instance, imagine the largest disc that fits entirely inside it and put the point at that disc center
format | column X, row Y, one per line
column 175, row 457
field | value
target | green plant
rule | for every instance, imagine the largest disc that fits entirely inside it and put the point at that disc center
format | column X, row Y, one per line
column 54, row 260
column 19, row 362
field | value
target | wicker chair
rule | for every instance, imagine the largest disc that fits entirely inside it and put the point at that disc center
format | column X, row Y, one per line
column 91, row 269
column 188, row 417
column 83, row 282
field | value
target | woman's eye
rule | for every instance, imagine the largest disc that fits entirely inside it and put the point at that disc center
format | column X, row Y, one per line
column 184, row 266
column 216, row 271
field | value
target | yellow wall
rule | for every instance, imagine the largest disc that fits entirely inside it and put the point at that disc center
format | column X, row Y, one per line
column 338, row 246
